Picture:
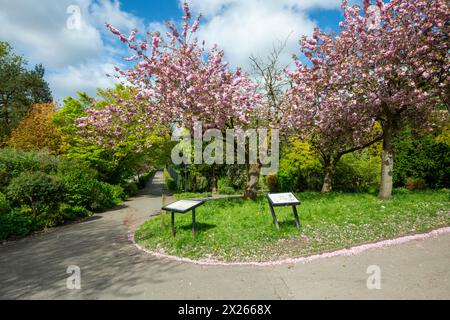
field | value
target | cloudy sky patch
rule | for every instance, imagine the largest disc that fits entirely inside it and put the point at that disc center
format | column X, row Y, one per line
column 78, row 59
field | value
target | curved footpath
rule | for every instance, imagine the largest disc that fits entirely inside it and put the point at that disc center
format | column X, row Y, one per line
column 113, row 268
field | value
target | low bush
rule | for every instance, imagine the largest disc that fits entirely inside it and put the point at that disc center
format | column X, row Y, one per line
column 300, row 168
column 107, row 195
column 422, row 156
column 358, row 172
column 4, row 204
column 40, row 192
column 69, row 212
column 271, row 182
column 13, row 225
column 143, row 179
column 201, row 183
column 83, row 189
column 169, row 183
column 80, row 183
column 225, row 186
column 415, row 183
column 131, row 189
column 14, row 162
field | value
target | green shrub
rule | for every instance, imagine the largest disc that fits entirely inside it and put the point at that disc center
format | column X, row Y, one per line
column 421, row 156
column 357, row 172
column 300, row 168
column 271, row 182
column 14, row 162
column 225, row 186
column 415, row 183
column 131, row 189
column 401, row 190
column 143, row 179
column 201, row 183
column 169, row 183
column 39, row 191
column 12, row 225
column 237, row 173
column 4, row 204
column 107, row 196
column 69, row 212
column 80, row 183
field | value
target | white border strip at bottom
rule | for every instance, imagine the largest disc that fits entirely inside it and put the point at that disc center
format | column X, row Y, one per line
column 342, row 252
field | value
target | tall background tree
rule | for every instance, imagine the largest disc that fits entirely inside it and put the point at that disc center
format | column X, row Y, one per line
column 272, row 81
column 20, row 88
column 36, row 130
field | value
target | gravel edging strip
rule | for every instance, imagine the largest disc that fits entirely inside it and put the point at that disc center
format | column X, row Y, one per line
column 305, row 259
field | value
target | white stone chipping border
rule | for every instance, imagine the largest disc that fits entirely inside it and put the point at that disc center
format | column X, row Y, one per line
column 305, row 259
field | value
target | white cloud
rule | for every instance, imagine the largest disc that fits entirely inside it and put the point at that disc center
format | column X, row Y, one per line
column 84, row 77
column 78, row 59
column 253, row 27
column 75, row 58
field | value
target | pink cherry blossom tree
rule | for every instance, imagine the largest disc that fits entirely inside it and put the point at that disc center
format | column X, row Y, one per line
column 178, row 80
column 388, row 64
column 399, row 58
column 323, row 108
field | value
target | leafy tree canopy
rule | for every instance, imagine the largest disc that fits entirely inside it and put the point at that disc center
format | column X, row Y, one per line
column 20, row 88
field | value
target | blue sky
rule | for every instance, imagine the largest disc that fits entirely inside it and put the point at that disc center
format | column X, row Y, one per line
column 78, row 59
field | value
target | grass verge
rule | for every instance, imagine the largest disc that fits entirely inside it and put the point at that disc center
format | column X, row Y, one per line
column 237, row 230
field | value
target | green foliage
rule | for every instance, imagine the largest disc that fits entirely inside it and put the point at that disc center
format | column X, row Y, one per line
column 424, row 156
column 12, row 225
column 108, row 195
column 225, row 186
column 237, row 175
column 81, row 185
column 4, row 204
column 14, row 162
column 401, row 190
column 358, row 172
column 46, row 190
column 300, row 168
column 39, row 191
column 144, row 178
column 69, row 212
column 131, row 188
column 169, row 183
column 272, row 182
column 113, row 165
column 187, row 195
column 20, row 88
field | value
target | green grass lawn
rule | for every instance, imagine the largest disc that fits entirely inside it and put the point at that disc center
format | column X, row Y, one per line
column 238, row 230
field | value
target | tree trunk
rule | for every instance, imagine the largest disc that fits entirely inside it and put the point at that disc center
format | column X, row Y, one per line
column 328, row 179
column 213, row 180
column 329, row 173
column 387, row 162
column 251, row 191
column 194, row 183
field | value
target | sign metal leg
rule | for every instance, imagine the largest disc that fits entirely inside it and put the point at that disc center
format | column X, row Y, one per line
column 193, row 222
column 173, row 223
column 275, row 221
column 297, row 221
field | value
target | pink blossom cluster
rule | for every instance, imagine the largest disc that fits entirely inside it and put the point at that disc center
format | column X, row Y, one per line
column 363, row 75
column 177, row 80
